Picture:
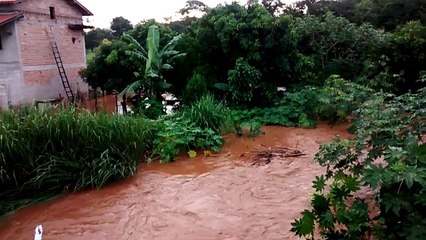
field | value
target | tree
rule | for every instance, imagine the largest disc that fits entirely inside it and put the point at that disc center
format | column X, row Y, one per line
column 273, row 6
column 193, row 5
column 180, row 26
column 156, row 60
column 336, row 45
column 140, row 32
column 95, row 37
column 386, row 14
column 229, row 32
column 120, row 25
column 109, row 68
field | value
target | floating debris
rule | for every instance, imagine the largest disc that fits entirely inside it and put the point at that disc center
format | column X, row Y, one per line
column 264, row 157
column 38, row 233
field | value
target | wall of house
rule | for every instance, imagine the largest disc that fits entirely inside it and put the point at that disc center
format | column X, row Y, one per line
column 41, row 79
column 10, row 66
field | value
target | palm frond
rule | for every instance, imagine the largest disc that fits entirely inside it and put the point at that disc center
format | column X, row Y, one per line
column 133, row 42
column 153, row 36
column 177, row 56
column 132, row 87
column 167, row 66
column 136, row 55
column 172, row 44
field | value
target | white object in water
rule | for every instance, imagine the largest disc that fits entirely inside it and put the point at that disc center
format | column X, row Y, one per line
column 38, row 232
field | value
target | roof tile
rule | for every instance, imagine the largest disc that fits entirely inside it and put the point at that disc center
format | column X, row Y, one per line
column 6, row 18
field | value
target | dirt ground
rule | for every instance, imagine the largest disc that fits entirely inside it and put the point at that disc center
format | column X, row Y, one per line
column 223, row 196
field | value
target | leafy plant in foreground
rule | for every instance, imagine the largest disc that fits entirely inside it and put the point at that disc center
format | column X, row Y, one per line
column 388, row 158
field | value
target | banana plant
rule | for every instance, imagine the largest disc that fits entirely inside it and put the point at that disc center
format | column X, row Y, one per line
column 156, row 60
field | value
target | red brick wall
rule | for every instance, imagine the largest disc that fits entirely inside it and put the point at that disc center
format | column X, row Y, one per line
column 42, row 77
column 36, row 49
column 35, row 42
column 35, row 45
column 45, row 77
column 72, row 52
column 62, row 7
column 40, row 72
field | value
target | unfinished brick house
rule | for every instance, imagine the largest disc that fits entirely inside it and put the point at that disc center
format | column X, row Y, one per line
column 42, row 50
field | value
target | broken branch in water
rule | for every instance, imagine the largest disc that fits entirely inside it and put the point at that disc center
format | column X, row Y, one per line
column 265, row 156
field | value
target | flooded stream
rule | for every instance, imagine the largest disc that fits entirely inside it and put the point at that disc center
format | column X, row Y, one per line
column 217, row 197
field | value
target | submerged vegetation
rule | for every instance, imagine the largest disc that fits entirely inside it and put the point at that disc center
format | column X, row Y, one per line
column 44, row 153
column 262, row 63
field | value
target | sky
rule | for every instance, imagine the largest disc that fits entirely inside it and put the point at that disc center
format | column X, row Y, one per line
column 137, row 10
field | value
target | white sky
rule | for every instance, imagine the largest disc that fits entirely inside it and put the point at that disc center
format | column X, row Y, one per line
column 136, row 10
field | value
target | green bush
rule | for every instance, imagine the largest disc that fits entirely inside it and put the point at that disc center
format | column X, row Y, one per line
column 243, row 82
column 295, row 109
column 334, row 102
column 196, row 127
column 44, row 153
column 340, row 98
column 208, row 113
column 388, row 128
column 179, row 134
column 195, row 88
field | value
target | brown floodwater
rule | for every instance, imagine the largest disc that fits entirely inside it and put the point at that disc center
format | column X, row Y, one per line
column 221, row 196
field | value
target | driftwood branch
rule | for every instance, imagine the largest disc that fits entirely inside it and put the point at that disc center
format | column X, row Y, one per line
column 264, row 157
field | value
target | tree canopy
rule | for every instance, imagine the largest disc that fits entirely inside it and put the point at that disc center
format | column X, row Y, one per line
column 120, row 25
column 248, row 51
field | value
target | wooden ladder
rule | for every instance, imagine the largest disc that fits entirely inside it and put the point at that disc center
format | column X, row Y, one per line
column 60, row 65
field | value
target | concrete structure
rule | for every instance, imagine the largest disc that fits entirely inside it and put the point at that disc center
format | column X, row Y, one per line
column 28, row 70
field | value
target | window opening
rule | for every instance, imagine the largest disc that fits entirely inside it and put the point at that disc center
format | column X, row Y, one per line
column 52, row 13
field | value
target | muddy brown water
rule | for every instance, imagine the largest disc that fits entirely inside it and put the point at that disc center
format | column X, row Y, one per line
column 217, row 197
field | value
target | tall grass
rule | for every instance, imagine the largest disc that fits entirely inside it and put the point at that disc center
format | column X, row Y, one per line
column 207, row 113
column 45, row 153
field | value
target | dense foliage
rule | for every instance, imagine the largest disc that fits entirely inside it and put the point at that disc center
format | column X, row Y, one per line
column 196, row 127
column 387, row 158
column 334, row 102
column 242, row 53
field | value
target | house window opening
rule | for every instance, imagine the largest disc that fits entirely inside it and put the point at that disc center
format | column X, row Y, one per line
column 52, row 13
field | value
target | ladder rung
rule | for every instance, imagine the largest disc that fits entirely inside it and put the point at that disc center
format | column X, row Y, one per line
column 61, row 69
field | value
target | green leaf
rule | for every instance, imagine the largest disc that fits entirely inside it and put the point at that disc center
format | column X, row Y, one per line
column 410, row 175
column 421, row 153
column 132, row 87
column 320, row 204
column 305, row 225
column 192, row 154
column 319, row 183
column 352, row 183
column 373, row 176
column 326, row 220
